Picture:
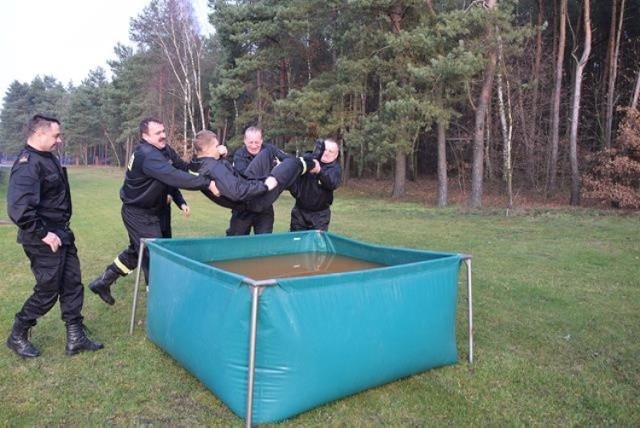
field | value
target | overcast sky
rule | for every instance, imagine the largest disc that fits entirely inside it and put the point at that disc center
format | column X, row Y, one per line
column 64, row 38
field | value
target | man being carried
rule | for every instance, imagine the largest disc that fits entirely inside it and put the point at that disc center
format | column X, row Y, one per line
column 257, row 193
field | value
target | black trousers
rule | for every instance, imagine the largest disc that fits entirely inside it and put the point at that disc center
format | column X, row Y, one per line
column 309, row 220
column 242, row 221
column 258, row 213
column 140, row 223
column 286, row 172
column 57, row 277
column 165, row 221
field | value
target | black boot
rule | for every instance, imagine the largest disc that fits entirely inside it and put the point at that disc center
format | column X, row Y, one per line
column 78, row 341
column 307, row 162
column 18, row 340
column 318, row 149
column 102, row 284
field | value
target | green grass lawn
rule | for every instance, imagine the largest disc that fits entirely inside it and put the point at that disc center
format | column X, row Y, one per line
column 557, row 322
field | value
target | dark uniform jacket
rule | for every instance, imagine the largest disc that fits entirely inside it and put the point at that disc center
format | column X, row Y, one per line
column 242, row 158
column 177, row 197
column 234, row 188
column 314, row 192
column 151, row 173
column 38, row 198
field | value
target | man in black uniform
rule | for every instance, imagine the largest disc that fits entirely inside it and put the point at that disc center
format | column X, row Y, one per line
column 39, row 203
column 255, row 195
column 243, row 219
column 314, row 191
column 153, row 170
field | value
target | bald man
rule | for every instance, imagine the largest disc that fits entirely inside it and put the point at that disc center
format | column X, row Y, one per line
column 314, row 191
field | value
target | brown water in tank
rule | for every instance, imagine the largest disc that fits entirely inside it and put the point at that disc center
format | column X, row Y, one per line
column 293, row 265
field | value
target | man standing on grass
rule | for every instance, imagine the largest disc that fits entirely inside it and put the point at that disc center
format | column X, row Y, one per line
column 152, row 172
column 314, row 192
column 39, row 203
column 243, row 219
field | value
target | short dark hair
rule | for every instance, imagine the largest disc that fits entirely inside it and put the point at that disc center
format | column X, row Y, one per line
column 39, row 121
column 203, row 139
column 144, row 124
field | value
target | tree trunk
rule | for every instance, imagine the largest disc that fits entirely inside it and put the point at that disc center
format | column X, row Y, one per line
column 533, row 123
column 475, row 200
column 636, row 92
column 85, row 154
column 113, row 146
column 361, row 119
column 614, row 45
column 308, row 52
column 442, row 166
column 283, row 79
column 528, row 124
column 235, row 117
column 608, row 73
column 361, row 161
column 346, row 167
column 506, row 122
column 195, row 52
column 552, row 165
column 400, row 175
column 184, row 126
column 488, row 160
column 413, row 156
column 224, row 131
column 259, row 97
column 575, row 108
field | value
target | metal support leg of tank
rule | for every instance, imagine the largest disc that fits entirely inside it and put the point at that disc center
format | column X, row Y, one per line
column 136, row 288
column 467, row 261
column 256, row 290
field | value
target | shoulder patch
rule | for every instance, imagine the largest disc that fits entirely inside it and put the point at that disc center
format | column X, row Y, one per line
column 24, row 158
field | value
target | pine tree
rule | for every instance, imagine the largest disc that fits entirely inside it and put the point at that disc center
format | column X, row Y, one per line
column 43, row 95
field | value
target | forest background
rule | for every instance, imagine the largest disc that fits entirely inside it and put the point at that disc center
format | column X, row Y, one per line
column 536, row 97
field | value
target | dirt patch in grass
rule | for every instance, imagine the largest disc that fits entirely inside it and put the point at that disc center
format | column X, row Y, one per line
column 426, row 191
column 494, row 196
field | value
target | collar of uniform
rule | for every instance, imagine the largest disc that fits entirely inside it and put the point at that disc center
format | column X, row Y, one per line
column 34, row 150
